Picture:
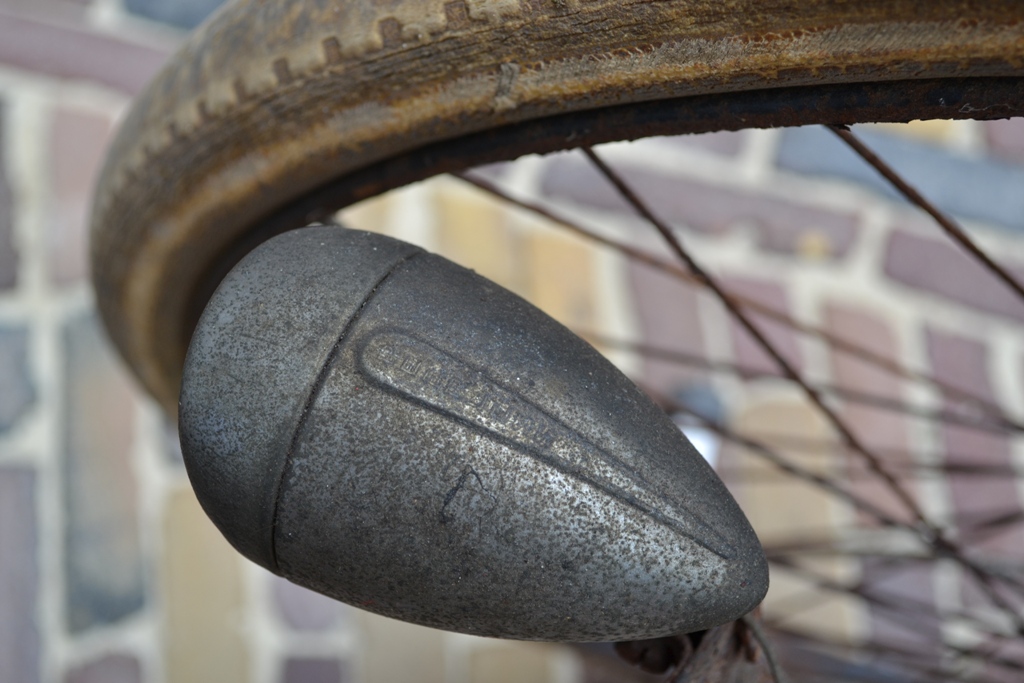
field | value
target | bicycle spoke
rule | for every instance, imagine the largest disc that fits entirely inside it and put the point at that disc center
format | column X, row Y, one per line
column 897, row 467
column 836, row 343
column 923, row 663
column 946, row 222
column 738, row 314
column 851, row 395
column 766, row 646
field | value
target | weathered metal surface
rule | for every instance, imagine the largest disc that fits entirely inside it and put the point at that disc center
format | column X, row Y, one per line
column 272, row 100
column 388, row 428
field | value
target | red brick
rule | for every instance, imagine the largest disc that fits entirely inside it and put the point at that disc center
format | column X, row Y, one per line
column 778, row 226
column 904, row 615
column 1006, row 138
column 8, row 254
column 882, row 431
column 78, row 141
column 109, row 669
column 304, row 610
column 73, row 52
column 19, row 572
column 964, row 363
column 746, row 350
column 943, row 269
column 669, row 318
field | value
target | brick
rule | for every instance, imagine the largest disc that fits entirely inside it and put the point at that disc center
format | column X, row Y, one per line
column 78, row 141
column 723, row 143
column 884, row 432
column 19, row 576
column 943, row 269
column 561, row 279
column 370, row 214
column 420, row 657
column 181, row 13
column 913, row 621
column 17, row 388
column 203, row 598
column 103, row 556
column 513, row 663
column 778, row 226
column 668, row 314
column 746, row 350
column 304, row 610
column 172, row 445
column 1007, row 649
column 808, row 512
column 964, row 363
column 8, row 253
column 1006, row 138
column 76, row 53
column 472, row 231
column 495, row 172
column 109, row 669
column 981, row 189
column 881, row 430
column 303, row 670
column 933, row 131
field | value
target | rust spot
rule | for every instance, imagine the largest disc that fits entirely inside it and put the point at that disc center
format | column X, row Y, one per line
column 967, row 23
column 457, row 14
column 390, row 32
column 332, row 51
column 282, row 72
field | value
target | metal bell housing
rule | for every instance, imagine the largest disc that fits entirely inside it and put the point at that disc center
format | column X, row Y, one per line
column 385, row 427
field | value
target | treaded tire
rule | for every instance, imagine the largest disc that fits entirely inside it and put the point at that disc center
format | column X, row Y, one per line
column 277, row 112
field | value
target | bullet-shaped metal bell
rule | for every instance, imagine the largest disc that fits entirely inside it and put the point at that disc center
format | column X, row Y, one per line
column 383, row 426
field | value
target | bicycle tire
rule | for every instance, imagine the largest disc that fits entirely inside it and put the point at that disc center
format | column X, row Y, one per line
column 276, row 113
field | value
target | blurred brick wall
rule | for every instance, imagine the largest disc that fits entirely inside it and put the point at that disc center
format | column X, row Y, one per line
column 108, row 569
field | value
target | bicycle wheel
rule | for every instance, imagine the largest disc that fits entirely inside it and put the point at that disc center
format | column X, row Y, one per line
column 277, row 113
column 340, row 103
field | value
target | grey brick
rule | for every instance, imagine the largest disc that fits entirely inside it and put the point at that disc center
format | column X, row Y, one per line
column 980, row 189
column 304, row 610
column 109, row 669
column 8, row 255
column 180, row 13
column 303, row 670
column 724, row 143
column 102, row 546
column 17, row 390
column 19, row 571
column 172, row 445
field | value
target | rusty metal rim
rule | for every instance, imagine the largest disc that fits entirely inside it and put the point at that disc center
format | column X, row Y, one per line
column 895, row 101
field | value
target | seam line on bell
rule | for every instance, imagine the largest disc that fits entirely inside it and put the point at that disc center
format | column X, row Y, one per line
column 314, row 392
